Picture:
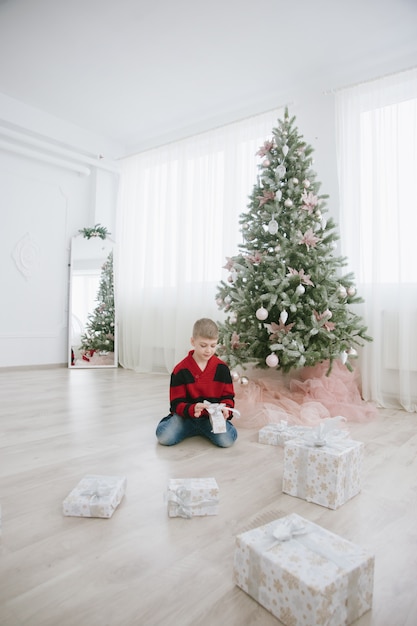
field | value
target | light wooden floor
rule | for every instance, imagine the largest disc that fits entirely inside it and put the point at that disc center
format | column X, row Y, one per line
column 141, row 568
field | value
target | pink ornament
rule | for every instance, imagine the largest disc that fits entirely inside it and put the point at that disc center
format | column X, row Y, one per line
column 261, row 314
column 351, row 291
column 266, row 163
column 272, row 360
column 235, row 376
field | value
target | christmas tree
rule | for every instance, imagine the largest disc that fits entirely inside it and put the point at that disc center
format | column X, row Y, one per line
column 99, row 335
column 286, row 300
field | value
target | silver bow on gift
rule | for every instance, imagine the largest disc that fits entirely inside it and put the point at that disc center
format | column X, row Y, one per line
column 214, row 407
column 286, row 529
column 327, row 433
column 96, row 494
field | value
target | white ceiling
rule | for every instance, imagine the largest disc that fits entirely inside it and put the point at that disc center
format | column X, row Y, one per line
column 141, row 73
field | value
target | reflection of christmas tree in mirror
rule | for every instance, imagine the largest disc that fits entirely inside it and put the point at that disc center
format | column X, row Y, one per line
column 287, row 303
column 100, row 327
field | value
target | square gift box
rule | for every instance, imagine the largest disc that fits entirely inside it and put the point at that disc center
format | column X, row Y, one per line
column 328, row 474
column 190, row 497
column 303, row 574
column 277, row 434
column 95, row 496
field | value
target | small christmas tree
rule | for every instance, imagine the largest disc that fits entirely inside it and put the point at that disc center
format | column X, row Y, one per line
column 286, row 300
column 99, row 335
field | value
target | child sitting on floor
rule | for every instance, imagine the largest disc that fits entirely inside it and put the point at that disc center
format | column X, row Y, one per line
column 200, row 377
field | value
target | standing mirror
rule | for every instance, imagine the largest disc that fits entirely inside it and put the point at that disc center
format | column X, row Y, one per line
column 92, row 317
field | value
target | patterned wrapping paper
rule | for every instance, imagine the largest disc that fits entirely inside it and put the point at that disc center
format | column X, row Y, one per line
column 278, row 434
column 303, row 574
column 95, row 496
column 190, row 497
column 329, row 475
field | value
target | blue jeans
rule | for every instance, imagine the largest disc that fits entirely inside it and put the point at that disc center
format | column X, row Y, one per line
column 173, row 428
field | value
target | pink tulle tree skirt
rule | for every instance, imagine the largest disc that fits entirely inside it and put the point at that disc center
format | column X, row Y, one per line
column 306, row 397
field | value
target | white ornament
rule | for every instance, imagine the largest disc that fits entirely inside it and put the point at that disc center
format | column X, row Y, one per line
column 244, row 380
column 295, row 181
column 327, row 313
column 266, row 163
column 233, row 318
column 271, row 360
column 351, row 291
column 306, row 183
column 352, row 352
column 261, row 314
column 300, row 290
column 281, row 171
column 343, row 357
column 235, row 375
column 278, row 195
column 273, row 226
column 342, row 291
column 285, row 150
column 284, row 316
column 288, row 202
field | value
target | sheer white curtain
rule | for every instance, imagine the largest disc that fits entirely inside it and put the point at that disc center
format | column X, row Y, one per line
column 178, row 219
column 377, row 161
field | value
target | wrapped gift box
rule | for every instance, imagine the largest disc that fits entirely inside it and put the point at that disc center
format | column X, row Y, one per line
column 95, row 496
column 189, row 497
column 304, row 574
column 217, row 421
column 278, row 434
column 326, row 472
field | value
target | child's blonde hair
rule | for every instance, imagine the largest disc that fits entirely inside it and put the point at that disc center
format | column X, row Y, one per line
column 205, row 328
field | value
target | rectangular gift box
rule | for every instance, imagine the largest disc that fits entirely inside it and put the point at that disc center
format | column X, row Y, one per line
column 217, row 421
column 303, row 574
column 190, row 497
column 278, row 434
column 328, row 474
column 95, row 496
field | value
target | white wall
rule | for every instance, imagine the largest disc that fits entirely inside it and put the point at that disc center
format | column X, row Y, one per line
column 43, row 205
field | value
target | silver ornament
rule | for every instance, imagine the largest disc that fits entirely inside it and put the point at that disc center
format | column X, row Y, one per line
column 273, row 226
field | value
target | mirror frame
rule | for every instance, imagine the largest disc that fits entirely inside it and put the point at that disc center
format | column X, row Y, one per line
column 88, row 256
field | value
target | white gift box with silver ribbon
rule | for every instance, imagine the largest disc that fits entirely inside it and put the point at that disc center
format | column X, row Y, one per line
column 278, row 433
column 217, row 420
column 190, row 497
column 303, row 574
column 323, row 467
column 95, row 496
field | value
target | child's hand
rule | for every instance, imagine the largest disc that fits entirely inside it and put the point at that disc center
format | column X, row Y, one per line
column 225, row 413
column 199, row 408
